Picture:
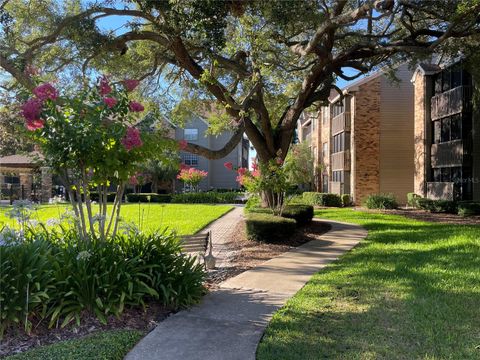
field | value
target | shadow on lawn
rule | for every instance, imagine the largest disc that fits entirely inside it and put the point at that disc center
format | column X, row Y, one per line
column 411, row 291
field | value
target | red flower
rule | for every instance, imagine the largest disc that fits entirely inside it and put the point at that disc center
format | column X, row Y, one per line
column 110, row 102
column 279, row 161
column 241, row 171
column 45, row 91
column 135, row 106
column 130, row 85
column 228, row 165
column 182, row 144
column 132, row 139
column 104, row 87
column 31, row 109
column 33, row 125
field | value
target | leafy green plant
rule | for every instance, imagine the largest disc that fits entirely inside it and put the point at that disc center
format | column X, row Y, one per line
column 346, row 200
column 269, row 228
column 380, row 201
column 438, row 206
column 412, row 199
column 466, row 209
column 322, row 199
column 53, row 276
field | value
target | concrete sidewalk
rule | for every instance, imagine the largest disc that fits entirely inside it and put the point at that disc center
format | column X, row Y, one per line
column 229, row 322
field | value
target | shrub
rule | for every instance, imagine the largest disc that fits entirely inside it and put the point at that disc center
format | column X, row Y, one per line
column 149, row 197
column 268, row 228
column 252, row 203
column 302, row 214
column 94, row 196
column 322, row 199
column 380, row 201
column 412, row 200
column 210, row 197
column 469, row 209
column 346, row 200
column 56, row 276
column 438, row 206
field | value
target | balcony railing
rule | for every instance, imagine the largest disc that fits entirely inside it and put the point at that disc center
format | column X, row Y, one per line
column 341, row 123
column 450, row 102
column 441, row 190
column 340, row 161
column 451, row 153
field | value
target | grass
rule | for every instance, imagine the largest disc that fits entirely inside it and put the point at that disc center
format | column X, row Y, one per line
column 411, row 290
column 108, row 345
column 184, row 218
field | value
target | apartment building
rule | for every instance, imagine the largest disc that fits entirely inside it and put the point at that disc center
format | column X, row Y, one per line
column 447, row 133
column 195, row 131
column 364, row 140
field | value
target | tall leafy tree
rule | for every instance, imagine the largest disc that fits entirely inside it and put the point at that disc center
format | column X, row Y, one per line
column 261, row 62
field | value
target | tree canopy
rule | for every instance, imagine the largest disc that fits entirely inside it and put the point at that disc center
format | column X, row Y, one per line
column 260, row 62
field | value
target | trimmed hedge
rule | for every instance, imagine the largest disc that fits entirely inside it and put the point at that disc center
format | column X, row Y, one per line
column 302, row 214
column 438, row 206
column 211, row 197
column 469, row 208
column 346, row 200
column 149, row 197
column 322, row 199
column 380, row 201
column 269, row 228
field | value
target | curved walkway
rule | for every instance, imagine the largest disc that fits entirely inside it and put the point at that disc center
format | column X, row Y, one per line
column 229, row 322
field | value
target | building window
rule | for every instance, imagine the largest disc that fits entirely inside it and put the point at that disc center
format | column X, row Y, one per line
column 338, row 108
column 338, row 176
column 325, row 183
column 338, row 142
column 190, row 159
column 190, row 134
column 447, row 129
column 14, row 180
column 325, row 114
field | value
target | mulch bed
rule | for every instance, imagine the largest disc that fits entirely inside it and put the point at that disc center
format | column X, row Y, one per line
column 15, row 340
column 436, row 217
column 247, row 255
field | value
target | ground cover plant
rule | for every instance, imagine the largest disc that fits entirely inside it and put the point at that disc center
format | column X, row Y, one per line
column 149, row 217
column 409, row 291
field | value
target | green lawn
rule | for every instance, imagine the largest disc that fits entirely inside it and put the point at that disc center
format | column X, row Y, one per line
column 411, row 290
column 184, row 218
column 107, row 345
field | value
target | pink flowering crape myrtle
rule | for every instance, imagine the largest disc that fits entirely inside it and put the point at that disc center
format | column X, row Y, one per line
column 110, row 102
column 104, row 87
column 31, row 109
column 135, row 106
column 132, row 139
column 45, row 92
column 228, row 165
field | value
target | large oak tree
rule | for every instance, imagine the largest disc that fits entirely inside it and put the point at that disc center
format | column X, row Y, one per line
column 262, row 63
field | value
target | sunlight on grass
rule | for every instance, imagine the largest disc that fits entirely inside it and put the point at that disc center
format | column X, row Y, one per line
column 411, row 290
column 183, row 218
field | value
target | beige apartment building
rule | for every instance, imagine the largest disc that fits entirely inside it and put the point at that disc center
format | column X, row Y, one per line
column 364, row 140
column 447, row 133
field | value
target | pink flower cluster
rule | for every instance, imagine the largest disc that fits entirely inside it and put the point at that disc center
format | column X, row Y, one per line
column 190, row 174
column 135, row 106
column 228, row 165
column 103, row 86
column 46, row 92
column 182, row 144
column 132, row 139
column 32, row 109
column 110, row 102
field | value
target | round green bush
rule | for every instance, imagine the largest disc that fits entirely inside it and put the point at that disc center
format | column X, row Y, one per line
column 269, row 228
column 380, row 201
column 302, row 214
column 322, row 199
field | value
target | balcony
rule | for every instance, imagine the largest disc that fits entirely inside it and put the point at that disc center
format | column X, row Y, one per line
column 340, row 161
column 451, row 153
column 450, row 102
column 341, row 123
column 441, row 190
